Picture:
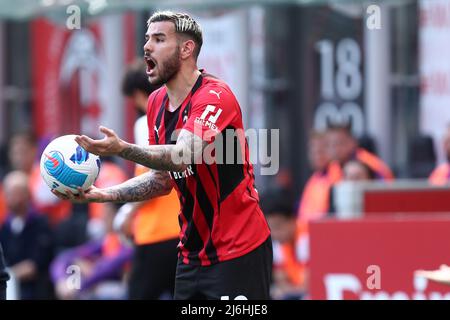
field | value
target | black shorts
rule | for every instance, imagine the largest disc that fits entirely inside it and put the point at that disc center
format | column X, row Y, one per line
column 246, row 277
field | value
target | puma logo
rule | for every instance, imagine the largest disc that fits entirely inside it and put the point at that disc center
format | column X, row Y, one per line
column 216, row 93
column 157, row 131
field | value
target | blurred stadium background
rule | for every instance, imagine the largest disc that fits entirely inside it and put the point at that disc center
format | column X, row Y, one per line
column 378, row 68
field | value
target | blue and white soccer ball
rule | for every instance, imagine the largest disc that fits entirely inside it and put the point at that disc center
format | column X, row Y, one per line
column 66, row 165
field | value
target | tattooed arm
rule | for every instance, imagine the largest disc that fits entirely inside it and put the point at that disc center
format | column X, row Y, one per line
column 143, row 187
column 167, row 157
column 187, row 149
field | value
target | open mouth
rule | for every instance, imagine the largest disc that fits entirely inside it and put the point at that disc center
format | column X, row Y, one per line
column 151, row 63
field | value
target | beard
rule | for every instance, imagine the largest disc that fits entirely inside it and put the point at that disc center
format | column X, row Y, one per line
column 167, row 69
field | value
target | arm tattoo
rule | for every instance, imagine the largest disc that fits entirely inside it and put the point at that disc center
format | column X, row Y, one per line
column 188, row 148
column 144, row 187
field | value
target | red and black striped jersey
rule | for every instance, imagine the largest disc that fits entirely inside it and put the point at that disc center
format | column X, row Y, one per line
column 220, row 217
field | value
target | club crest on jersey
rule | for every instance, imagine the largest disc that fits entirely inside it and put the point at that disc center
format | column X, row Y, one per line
column 185, row 115
column 209, row 122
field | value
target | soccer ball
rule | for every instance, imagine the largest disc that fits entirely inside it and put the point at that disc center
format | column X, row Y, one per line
column 66, row 165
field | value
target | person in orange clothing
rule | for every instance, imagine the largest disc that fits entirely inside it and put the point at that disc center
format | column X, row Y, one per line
column 153, row 225
column 441, row 175
column 290, row 248
column 343, row 147
column 314, row 203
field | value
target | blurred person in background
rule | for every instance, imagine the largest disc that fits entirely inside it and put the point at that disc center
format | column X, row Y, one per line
column 102, row 265
column 290, row 247
column 357, row 171
column 314, row 203
column 441, row 175
column 85, row 221
column 3, row 171
column 26, row 239
column 22, row 152
column 2, row 206
column 152, row 225
column 23, row 156
column 110, row 174
column 4, row 277
column 343, row 147
column 72, row 231
column 354, row 171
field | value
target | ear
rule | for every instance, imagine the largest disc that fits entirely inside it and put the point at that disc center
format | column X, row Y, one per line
column 187, row 49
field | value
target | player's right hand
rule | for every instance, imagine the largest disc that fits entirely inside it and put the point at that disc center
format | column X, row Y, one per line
column 92, row 194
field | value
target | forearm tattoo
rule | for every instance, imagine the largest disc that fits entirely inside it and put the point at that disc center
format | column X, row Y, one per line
column 144, row 187
column 156, row 157
column 167, row 157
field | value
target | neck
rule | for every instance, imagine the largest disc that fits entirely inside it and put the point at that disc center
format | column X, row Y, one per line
column 179, row 87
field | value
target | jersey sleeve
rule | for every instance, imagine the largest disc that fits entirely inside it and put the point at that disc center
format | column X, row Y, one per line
column 212, row 113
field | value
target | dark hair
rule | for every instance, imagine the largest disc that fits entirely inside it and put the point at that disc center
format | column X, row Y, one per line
column 371, row 173
column 136, row 79
column 277, row 202
column 184, row 25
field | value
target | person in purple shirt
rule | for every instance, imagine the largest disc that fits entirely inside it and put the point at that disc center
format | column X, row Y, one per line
column 81, row 272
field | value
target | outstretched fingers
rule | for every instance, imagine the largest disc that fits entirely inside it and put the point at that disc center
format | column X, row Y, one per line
column 107, row 132
column 60, row 195
column 109, row 145
column 80, row 197
column 69, row 195
column 88, row 144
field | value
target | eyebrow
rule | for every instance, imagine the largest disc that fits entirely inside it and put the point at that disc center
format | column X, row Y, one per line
column 158, row 34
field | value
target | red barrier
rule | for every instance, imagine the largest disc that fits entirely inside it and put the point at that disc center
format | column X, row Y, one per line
column 376, row 258
column 428, row 200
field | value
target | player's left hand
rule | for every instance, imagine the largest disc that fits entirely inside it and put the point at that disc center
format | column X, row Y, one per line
column 110, row 145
